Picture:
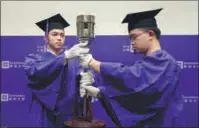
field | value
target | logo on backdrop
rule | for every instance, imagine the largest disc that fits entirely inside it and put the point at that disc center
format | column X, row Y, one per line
column 127, row 48
column 41, row 48
column 183, row 64
column 11, row 64
column 6, row 97
column 190, row 99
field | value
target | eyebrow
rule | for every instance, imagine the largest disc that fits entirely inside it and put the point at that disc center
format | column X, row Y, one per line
column 57, row 32
column 134, row 34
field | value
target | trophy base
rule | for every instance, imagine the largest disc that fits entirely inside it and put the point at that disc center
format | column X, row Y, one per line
column 83, row 123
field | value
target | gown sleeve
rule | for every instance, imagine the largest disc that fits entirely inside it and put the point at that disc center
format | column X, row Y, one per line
column 40, row 66
column 43, row 69
column 135, row 77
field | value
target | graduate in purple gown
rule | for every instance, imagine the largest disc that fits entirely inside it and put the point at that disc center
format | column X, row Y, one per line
column 147, row 93
column 52, row 74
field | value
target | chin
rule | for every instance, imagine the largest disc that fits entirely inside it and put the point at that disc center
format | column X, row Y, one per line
column 140, row 52
column 58, row 48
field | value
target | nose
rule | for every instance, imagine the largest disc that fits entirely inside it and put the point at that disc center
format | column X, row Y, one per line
column 59, row 37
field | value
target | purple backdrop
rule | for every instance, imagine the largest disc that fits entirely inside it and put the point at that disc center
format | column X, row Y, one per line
column 15, row 97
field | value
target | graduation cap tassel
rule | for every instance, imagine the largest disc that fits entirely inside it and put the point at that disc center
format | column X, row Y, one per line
column 46, row 35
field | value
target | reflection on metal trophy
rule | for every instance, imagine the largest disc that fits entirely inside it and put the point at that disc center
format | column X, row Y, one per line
column 83, row 114
column 85, row 28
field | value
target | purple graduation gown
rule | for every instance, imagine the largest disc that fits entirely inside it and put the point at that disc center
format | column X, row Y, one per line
column 146, row 94
column 45, row 71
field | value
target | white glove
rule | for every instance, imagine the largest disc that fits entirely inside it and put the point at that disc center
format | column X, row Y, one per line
column 85, row 59
column 91, row 90
column 76, row 50
column 86, row 80
column 82, row 91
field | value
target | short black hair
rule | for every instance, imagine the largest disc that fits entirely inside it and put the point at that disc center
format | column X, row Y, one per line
column 156, row 31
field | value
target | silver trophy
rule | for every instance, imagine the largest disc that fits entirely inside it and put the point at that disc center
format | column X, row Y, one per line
column 85, row 34
column 85, row 28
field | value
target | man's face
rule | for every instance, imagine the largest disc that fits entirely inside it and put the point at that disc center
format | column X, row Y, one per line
column 140, row 40
column 56, row 38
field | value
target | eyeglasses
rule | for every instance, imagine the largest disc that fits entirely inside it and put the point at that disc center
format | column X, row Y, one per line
column 133, row 37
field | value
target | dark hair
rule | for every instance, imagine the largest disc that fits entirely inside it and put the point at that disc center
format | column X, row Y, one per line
column 156, row 31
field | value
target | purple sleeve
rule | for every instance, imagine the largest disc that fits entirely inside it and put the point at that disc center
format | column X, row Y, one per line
column 43, row 67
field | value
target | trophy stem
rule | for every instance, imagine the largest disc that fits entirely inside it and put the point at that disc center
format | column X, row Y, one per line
column 85, row 109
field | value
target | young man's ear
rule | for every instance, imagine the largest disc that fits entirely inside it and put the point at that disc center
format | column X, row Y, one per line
column 151, row 33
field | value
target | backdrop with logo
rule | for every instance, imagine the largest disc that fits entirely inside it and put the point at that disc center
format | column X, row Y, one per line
column 15, row 97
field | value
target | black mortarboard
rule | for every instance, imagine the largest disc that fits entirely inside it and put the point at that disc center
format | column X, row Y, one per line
column 144, row 19
column 54, row 22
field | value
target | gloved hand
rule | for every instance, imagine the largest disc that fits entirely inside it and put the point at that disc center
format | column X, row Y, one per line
column 85, row 59
column 82, row 91
column 91, row 90
column 86, row 80
column 76, row 50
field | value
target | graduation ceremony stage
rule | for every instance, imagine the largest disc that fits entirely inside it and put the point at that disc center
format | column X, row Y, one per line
column 15, row 96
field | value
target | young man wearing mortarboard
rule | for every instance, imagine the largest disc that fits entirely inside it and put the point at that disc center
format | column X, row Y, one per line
column 52, row 74
column 147, row 94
